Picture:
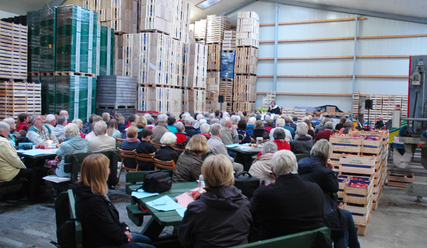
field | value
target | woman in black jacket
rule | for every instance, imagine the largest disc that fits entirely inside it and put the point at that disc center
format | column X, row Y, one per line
column 318, row 169
column 259, row 131
column 96, row 213
column 166, row 151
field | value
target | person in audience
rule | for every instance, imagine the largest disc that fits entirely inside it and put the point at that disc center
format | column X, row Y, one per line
column 294, row 122
column 181, row 137
column 303, row 143
column 92, row 134
column 274, row 109
column 341, row 124
column 270, row 124
column 211, row 116
column 196, row 123
column 23, row 120
column 251, row 125
column 214, row 120
column 79, row 124
column 221, row 218
column 132, row 119
column 379, row 124
column 189, row 129
column 129, row 144
column 288, row 127
column 217, row 146
column 113, row 130
column 348, row 125
column 310, row 130
column 280, row 124
column 50, row 121
column 121, row 122
column 205, row 130
column 113, row 114
column 234, row 120
column 189, row 164
column 166, row 151
column 12, row 135
column 59, row 129
column 38, row 133
column 259, row 131
column 96, row 213
column 276, row 213
column 72, row 144
column 318, row 169
column 171, row 123
column 12, row 168
column 141, row 122
column 280, row 140
column 101, row 142
column 261, row 166
column 240, row 134
column 146, row 147
column 321, row 126
column 150, row 122
column 160, row 129
column 65, row 113
column 106, row 117
column 87, row 127
column 325, row 134
column 226, row 137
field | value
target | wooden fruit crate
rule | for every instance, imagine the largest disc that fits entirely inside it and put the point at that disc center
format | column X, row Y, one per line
column 360, row 214
column 346, row 144
column 357, row 165
column 399, row 180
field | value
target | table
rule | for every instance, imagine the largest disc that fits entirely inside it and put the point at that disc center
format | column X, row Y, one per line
column 36, row 157
column 244, row 154
column 159, row 220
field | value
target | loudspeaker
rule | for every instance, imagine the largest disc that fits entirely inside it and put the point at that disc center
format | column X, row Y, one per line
column 369, row 104
column 220, row 98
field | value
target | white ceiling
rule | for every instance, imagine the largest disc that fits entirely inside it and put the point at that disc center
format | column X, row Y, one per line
column 417, row 8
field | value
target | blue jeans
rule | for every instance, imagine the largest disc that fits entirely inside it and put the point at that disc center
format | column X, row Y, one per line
column 346, row 238
column 142, row 240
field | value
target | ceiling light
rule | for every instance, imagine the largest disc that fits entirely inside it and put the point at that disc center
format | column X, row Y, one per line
column 207, row 3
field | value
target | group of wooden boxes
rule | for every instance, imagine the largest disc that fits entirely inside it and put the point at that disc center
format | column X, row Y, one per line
column 361, row 160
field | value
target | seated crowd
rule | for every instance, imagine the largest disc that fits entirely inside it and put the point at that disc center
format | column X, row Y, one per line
column 296, row 198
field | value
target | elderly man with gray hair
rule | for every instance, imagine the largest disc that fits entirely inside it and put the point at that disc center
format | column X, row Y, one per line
column 325, row 134
column 218, row 147
column 303, row 143
column 205, row 130
column 280, row 123
column 101, row 142
column 59, row 129
column 189, row 129
column 226, row 137
column 160, row 129
column 261, row 166
column 39, row 133
column 278, row 214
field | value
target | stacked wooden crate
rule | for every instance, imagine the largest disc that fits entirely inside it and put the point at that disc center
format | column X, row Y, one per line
column 160, row 98
column 120, row 15
column 195, row 77
column 212, row 91
column 13, row 50
column 355, row 107
column 215, row 27
column 384, row 105
column 200, row 31
column 246, row 61
column 229, row 41
column 155, row 15
column 116, row 92
column 180, row 24
column 361, row 159
column 19, row 97
column 271, row 96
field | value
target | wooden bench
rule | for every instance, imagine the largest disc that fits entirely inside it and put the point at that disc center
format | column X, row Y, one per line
column 68, row 228
column 318, row 238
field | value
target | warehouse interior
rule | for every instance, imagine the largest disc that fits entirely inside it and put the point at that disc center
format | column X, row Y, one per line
column 311, row 57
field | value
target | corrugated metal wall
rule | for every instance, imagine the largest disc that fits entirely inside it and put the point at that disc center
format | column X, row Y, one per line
column 371, row 26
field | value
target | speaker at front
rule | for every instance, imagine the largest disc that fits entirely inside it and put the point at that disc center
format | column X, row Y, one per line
column 220, row 98
column 369, row 104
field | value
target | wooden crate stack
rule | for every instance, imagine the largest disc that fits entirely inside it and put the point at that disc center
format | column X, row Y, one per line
column 200, row 31
column 160, row 98
column 212, row 91
column 155, row 15
column 384, row 105
column 226, row 89
column 214, row 57
column 247, row 29
column 194, row 100
column 246, row 61
column 13, row 50
column 355, row 107
column 266, row 101
column 361, row 157
column 122, row 15
column 19, row 97
column 215, row 27
column 180, row 25
column 229, row 41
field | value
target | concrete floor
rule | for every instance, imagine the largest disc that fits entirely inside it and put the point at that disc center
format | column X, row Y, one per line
column 398, row 222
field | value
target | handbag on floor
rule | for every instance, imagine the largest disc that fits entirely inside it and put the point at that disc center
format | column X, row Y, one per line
column 246, row 183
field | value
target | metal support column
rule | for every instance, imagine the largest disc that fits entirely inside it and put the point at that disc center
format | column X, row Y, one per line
column 353, row 83
column 276, row 47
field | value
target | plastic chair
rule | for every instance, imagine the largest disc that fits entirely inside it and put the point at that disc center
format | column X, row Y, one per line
column 125, row 154
column 160, row 164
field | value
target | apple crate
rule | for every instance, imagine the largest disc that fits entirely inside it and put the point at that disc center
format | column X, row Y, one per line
column 372, row 146
column 357, row 165
column 360, row 213
column 346, row 144
column 342, row 181
column 362, row 186
column 399, row 180
column 335, row 159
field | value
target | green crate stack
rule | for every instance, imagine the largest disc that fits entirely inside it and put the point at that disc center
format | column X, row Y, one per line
column 106, row 53
column 75, row 39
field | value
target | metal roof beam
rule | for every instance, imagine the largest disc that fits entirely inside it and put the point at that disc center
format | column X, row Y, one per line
column 351, row 11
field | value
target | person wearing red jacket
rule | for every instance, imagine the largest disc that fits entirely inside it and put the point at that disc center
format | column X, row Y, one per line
column 325, row 134
column 279, row 139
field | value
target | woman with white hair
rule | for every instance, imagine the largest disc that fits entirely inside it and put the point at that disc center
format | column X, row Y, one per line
column 72, row 144
column 166, row 151
column 221, row 217
column 251, row 125
column 318, row 169
column 235, row 120
column 12, row 130
column 205, row 130
column 261, row 166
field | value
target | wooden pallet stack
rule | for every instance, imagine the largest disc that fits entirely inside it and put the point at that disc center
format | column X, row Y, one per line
column 121, row 15
column 19, row 97
column 361, row 159
column 160, row 98
column 215, row 27
column 266, row 101
column 212, row 91
column 116, row 92
column 155, row 15
column 246, row 61
column 214, row 57
column 13, row 50
column 384, row 105
column 180, row 25
column 194, row 100
column 229, row 41
column 200, row 31
column 355, row 106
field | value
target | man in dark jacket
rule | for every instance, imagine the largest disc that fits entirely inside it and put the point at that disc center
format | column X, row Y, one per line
column 379, row 124
column 274, row 109
column 189, row 129
column 303, row 143
column 300, row 209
